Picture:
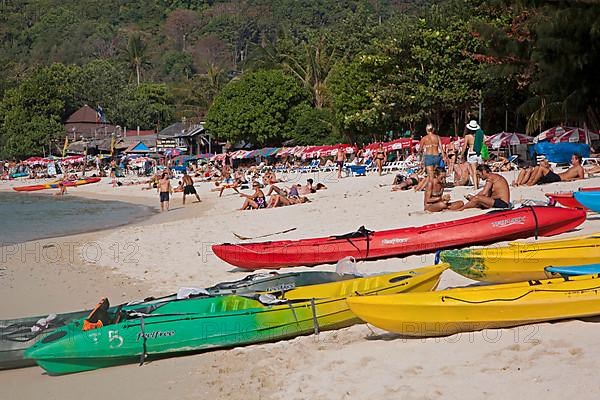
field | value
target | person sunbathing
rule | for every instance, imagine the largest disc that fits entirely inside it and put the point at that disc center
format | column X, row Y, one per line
column 593, row 170
column 256, row 200
column 495, row 193
column 278, row 200
column 404, row 183
column 544, row 173
column 435, row 200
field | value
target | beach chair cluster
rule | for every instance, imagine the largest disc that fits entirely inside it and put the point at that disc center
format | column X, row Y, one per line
column 410, row 162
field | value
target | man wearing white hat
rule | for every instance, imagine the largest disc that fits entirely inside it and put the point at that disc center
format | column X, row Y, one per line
column 474, row 142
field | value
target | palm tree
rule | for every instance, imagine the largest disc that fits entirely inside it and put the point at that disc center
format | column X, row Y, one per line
column 313, row 70
column 137, row 56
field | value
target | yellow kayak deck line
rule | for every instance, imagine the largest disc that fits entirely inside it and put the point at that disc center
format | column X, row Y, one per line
column 451, row 311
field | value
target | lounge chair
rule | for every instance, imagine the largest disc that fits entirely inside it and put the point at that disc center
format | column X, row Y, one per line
column 312, row 167
column 355, row 170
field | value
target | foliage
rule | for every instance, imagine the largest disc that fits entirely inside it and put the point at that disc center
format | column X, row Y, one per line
column 316, row 126
column 148, row 105
column 260, row 107
column 31, row 113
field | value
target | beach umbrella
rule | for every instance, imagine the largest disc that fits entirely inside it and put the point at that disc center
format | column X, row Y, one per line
column 551, row 133
column 576, row 135
column 505, row 139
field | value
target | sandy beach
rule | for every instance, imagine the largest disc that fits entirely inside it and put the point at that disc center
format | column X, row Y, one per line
column 168, row 250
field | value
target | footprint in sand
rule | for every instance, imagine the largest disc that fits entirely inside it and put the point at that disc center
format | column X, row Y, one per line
column 414, row 371
column 576, row 352
column 448, row 371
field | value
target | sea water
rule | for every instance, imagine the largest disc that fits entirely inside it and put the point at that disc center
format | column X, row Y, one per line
column 26, row 216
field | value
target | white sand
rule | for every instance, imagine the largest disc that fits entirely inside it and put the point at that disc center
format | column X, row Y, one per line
column 173, row 249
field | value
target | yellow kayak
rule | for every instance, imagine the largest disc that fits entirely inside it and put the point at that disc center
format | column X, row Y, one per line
column 450, row 311
column 521, row 261
column 422, row 279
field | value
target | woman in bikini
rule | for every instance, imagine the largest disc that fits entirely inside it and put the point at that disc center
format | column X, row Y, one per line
column 431, row 147
column 380, row 156
column 256, row 200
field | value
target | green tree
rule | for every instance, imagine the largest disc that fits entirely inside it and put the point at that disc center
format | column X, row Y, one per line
column 260, row 107
column 31, row 114
column 149, row 106
column 316, row 127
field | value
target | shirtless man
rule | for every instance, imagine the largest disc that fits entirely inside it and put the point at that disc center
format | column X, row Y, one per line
column 462, row 173
column 544, row 174
column 340, row 158
column 473, row 157
column 188, row 187
column 164, row 189
column 432, row 149
column 435, row 200
column 495, row 193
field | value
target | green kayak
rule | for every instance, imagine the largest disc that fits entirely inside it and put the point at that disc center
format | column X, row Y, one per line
column 215, row 322
column 16, row 335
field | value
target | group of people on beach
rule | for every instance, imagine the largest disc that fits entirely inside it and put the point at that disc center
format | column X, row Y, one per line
column 468, row 167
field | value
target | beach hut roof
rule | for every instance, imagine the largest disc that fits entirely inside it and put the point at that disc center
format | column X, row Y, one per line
column 138, row 147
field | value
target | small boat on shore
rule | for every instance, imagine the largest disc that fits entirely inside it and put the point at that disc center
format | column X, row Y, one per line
column 522, row 261
column 567, row 199
column 590, row 200
column 216, row 322
column 451, row 311
column 54, row 185
column 575, row 270
column 16, row 335
column 363, row 244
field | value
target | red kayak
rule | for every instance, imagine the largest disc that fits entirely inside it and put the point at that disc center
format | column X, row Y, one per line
column 495, row 226
column 54, row 185
column 568, row 200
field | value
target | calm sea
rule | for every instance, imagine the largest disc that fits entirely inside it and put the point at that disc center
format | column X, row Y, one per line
column 25, row 217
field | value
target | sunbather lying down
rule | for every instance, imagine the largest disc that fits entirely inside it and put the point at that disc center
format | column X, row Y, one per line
column 543, row 173
column 412, row 181
column 278, row 200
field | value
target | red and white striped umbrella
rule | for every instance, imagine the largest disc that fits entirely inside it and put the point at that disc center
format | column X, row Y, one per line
column 576, row 135
column 566, row 134
column 505, row 139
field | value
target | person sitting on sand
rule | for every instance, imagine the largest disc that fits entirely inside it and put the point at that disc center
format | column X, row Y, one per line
column 228, row 182
column 179, row 187
column 543, row 173
column 462, row 174
column 435, row 200
column 256, row 200
column 495, row 193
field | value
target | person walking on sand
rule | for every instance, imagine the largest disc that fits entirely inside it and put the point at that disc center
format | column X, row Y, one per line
column 431, row 147
column 340, row 158
column 472, row 146
column 495, row 193
column 164, row 190
column 188, row 187
column 380, row 157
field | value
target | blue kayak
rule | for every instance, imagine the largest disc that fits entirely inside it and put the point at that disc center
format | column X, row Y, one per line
column 590, row 200
column 576, row 270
